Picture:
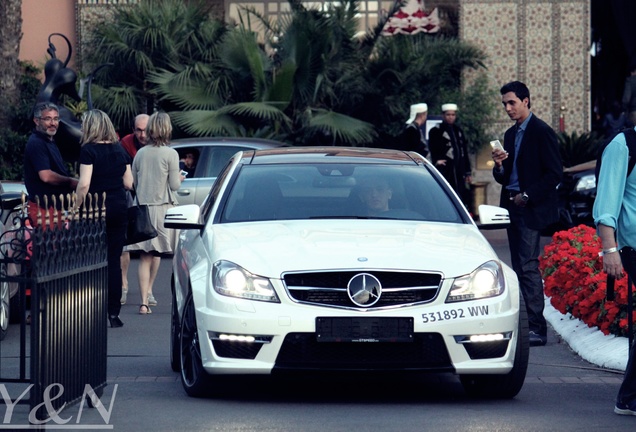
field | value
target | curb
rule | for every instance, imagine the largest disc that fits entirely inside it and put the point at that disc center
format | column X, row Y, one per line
column 607, row 351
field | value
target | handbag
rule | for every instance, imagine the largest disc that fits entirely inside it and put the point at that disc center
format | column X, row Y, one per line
column 139, row 225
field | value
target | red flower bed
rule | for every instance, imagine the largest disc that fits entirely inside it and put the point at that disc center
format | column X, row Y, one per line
column 575, row 282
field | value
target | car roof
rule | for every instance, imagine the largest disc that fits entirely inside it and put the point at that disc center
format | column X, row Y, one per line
column 332, row 155
column 254, row 143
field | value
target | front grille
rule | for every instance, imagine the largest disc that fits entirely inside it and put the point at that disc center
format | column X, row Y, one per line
column 301, row 351
column 330, row 288
column 486, row 350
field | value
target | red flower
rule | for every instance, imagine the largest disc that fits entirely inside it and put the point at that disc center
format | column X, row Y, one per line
column 575, row 282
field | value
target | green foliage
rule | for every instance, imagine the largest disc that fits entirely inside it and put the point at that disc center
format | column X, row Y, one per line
column 12, row 148
column 30, row 85
column 77, row 108
column 577, row 149
column 312, row 80
column 153, row 35
column 478, row 106
column 13, row 140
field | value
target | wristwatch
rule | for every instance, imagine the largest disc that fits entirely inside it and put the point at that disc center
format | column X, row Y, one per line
column 524, row 197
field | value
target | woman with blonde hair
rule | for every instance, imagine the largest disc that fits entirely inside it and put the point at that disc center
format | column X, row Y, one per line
column 156, row 176
column 105, row 167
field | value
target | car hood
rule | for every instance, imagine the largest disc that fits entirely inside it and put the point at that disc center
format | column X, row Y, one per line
column 271, row 248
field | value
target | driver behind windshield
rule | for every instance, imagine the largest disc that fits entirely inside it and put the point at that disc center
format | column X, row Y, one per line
column 375, row 194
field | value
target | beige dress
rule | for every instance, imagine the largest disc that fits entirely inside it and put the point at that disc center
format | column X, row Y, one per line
column 156, row 177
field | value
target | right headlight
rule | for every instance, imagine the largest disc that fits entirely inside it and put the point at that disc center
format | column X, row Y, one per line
column 486, row 281
column 586, row 182
column 232, row 280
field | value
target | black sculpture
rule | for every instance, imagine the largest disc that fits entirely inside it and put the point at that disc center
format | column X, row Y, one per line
column 59, row 80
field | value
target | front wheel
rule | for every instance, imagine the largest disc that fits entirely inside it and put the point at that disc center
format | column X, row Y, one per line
column 504, row 386
column 5, row 308
column 175, row 360
column 196, row 381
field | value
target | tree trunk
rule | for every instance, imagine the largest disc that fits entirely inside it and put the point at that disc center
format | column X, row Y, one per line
column 10, row 36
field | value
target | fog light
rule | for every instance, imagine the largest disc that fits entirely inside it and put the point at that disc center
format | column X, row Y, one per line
column 493, row 337
column 225, row 337
column 236, row 338
column 486, row 338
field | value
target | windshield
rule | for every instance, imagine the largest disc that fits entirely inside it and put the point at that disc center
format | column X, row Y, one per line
column 321, row 191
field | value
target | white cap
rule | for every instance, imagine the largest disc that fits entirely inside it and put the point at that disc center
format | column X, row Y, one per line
column 415, row 110
column 449, row 107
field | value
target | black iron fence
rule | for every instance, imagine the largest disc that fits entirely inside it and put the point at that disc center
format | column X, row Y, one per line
column 57, row 260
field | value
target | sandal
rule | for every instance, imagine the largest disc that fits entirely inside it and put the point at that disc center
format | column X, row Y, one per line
column 151, row 300
column 124, row 295
column 144, row 310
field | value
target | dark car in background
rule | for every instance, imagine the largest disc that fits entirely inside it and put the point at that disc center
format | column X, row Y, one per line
column 577, row 192
column 211, row 155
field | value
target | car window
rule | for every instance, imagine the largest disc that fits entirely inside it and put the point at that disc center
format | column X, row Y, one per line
column 214, row 192
column 215, row 159
column 305, row 191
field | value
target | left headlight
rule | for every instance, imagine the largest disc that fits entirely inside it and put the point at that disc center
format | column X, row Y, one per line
column 233, row 280
column 485, row 281
column 586, row 182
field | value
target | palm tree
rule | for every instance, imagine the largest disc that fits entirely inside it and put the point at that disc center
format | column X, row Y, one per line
column 168, row 35
column 283, row 89
column 314, row 80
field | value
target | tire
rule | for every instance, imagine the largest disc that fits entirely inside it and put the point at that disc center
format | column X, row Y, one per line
column 16, row 310
column 196, row 381
column 175, row 329
column 504, row 386
column 5, row 308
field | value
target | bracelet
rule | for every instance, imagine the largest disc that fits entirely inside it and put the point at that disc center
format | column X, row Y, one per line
column 608, row 251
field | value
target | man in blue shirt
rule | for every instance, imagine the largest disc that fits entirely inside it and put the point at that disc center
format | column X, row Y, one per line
column 529, row 168
column 45, row 173
column 615, row 216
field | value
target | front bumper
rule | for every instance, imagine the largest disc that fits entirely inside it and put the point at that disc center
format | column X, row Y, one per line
column 250, row 337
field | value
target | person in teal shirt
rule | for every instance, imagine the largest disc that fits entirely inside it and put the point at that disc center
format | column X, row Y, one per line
column 614, row 214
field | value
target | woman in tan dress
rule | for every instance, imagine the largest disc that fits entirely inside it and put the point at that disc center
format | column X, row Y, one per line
column 156, row 177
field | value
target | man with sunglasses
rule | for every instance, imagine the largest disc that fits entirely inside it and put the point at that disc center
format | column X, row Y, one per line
column 45, row 173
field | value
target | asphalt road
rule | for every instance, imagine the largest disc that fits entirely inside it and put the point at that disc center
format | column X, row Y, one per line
column 561, row 393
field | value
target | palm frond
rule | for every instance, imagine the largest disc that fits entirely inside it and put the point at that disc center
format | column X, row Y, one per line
column 121, row 104
column 268, row 112
column 242, row 55
column 344, row 129
column 206, row 123
column 188, row 88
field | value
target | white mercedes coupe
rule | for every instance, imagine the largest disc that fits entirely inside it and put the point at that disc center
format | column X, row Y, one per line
column 339, row 259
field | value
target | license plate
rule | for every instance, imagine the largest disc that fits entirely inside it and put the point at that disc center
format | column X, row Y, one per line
column 364, row 329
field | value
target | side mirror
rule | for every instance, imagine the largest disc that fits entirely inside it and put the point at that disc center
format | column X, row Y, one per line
column 493, row 217
column 183, row 217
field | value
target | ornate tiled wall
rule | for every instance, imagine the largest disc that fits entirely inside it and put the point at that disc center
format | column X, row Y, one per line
column 544, row 43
